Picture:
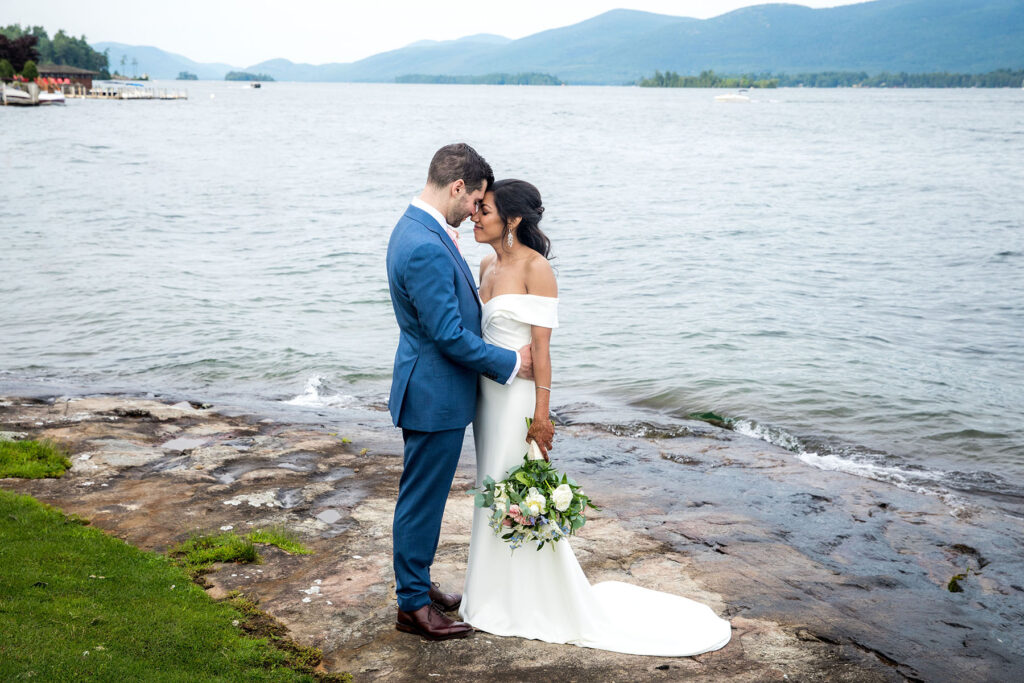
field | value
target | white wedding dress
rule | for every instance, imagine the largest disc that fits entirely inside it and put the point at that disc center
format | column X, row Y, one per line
column 544, row 595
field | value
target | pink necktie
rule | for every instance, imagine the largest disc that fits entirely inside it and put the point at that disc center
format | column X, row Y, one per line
column 454, row 234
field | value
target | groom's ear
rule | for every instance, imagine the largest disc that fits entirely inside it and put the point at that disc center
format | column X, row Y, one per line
column 458, row 187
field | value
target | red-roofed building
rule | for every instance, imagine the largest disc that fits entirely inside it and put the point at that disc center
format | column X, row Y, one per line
column 73, row 74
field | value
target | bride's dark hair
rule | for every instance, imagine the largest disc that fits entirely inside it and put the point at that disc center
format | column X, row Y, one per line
column 520, row 199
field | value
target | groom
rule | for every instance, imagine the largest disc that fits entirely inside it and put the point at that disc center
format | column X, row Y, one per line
column 434, row 384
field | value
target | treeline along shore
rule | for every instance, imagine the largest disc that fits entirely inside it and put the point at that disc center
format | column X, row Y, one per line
column 245, row 76
column 29, row 46
column 1000, row 78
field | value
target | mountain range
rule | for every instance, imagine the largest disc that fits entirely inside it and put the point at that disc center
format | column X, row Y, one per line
column 620, row 46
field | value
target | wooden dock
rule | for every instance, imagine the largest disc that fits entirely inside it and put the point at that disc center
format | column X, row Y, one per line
column 28, row 94
column 127, row 92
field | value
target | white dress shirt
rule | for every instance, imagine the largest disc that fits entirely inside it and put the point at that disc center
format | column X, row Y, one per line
column 436, row 215
column 454, row 234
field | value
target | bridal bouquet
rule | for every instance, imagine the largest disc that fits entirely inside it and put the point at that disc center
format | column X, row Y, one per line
column 533, row 503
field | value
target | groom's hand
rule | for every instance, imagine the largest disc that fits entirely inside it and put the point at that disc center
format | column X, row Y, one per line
column 525, row 363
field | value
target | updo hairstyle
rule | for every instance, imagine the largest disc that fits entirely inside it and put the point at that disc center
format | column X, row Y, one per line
column 520, row 199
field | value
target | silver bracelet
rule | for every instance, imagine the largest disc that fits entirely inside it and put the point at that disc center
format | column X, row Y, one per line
column 547, row 389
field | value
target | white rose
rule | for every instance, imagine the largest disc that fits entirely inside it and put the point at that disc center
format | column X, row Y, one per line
column 534, row 502
column 499, row 493
column 562, row 497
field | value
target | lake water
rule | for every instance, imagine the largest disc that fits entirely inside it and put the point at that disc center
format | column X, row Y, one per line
column 837, row 271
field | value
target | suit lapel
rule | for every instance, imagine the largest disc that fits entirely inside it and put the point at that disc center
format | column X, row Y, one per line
column 427, row 221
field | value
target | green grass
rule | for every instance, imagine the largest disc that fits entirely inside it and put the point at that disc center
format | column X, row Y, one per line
column 76, row 604
column 200, row 552
column 32, row 459
column 281, row 537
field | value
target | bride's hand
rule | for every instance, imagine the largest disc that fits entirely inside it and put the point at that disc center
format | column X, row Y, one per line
column 543, row 432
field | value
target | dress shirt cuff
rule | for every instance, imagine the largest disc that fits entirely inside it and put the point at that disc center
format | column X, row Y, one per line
column 519, row 362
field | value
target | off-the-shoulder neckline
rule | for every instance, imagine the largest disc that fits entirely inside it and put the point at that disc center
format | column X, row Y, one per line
column 536, row 296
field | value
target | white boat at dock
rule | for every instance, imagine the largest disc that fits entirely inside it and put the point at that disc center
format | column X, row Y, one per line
column 20, row 95
column 30, row 94
column 52, row 98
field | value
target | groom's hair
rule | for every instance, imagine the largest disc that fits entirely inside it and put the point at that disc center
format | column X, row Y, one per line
column 459, row 161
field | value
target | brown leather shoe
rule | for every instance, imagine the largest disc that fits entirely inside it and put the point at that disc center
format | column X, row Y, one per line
column 431, row 623
column 448, row 602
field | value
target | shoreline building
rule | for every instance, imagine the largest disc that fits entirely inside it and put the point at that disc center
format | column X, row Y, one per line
column 74, row 75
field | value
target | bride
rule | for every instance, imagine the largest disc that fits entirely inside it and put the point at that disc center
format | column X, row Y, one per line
column 520, row 306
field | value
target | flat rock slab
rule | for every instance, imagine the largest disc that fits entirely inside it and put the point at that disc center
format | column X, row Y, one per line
column 824, row 576
column 329, row 516
column 183, row 443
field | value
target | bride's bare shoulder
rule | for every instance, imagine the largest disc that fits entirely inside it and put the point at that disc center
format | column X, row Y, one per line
column 485, row 263
column 540, row 277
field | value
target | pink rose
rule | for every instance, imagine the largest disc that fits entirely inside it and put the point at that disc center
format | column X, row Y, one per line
column 517, row 514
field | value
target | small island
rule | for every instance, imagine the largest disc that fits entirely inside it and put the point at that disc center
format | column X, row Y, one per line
column 186, row 76
column 246, row 76
column 485, row 79
column 706, row 79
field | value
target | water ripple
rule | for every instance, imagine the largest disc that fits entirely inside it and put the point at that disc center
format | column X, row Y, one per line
column 841, row 266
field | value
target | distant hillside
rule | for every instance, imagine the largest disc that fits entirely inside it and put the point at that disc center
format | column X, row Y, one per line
column 622, row 46
column 888, row 35
column 159, row 64
column 485, row 79
column 477, row 38
column 424, row 56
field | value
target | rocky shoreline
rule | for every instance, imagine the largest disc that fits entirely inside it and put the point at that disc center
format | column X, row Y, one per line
column 824, row 576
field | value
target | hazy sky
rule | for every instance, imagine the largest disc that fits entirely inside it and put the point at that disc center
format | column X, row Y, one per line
column 242, row 33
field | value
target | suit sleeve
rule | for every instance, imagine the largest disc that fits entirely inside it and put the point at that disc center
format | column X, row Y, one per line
column 430, row 281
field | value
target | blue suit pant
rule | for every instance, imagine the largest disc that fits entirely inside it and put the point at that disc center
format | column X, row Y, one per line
column 430, row 462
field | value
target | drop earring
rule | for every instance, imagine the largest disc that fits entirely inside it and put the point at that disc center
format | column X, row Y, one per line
column 510, row 241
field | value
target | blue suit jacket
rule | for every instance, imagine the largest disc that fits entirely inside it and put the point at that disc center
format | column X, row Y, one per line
column 440, row 352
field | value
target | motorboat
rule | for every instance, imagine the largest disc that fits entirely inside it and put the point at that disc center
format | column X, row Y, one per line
column 735, row 97
column 16, row 96
column 51, row 98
